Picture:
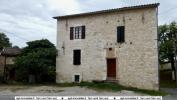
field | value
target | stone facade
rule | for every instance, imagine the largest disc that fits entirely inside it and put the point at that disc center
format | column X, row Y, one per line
column 136, row 58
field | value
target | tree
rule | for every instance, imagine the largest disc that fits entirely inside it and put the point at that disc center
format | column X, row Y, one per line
column 168, row 45
column 4, row 41
column 37, row 59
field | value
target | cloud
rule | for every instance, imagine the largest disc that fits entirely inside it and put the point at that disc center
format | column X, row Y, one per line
column 29, row 20
column 93, row 5
column 32, row 19
column 65, row 6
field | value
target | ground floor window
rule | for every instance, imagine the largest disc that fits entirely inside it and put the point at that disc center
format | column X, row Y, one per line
column 76, row 57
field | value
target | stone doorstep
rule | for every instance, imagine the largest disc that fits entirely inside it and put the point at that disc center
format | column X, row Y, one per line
column 108, row 80
column 111, row 80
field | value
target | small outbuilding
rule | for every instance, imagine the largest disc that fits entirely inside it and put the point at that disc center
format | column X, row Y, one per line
column 7, row 56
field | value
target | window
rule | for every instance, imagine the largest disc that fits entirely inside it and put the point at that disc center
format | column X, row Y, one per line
column 120, row 34
column 76, row 78
column 77, row 57
column 77, row 32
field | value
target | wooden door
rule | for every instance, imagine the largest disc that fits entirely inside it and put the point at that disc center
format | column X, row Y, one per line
column 111, row 68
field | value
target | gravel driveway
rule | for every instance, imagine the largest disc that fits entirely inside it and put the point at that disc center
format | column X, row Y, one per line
column 60, row 91
column 8, row 92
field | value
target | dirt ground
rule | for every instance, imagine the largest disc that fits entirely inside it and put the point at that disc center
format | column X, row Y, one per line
column 60, row 91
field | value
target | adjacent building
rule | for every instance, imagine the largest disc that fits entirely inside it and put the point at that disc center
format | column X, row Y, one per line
column 7, row 57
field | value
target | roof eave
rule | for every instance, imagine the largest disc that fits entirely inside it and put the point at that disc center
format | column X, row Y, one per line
column 109, row 10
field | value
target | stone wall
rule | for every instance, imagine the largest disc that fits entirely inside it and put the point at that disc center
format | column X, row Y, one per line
column 137, row 57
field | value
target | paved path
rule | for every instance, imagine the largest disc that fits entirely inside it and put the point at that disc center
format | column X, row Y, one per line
column 172, row 93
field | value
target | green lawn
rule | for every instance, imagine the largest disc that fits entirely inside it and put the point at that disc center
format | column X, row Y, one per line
column 117, row 87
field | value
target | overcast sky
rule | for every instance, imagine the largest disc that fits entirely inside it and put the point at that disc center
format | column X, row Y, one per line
column 27, row 20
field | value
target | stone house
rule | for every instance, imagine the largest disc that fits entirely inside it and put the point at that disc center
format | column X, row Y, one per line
column 119, row 45
column 7, row 56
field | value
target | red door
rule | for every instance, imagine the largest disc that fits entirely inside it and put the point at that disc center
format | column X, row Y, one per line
column 111, row 68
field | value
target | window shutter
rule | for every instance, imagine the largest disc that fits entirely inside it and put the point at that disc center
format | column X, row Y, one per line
column 120, row 34
column 71, row 33
column 77, row 57
column 83, row 32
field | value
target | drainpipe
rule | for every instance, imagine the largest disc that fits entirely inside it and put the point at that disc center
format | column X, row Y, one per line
column 157, row 11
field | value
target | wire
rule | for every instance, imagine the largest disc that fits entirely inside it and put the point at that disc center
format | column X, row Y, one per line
column 167, row 19
column 170, row 19
column 14, row 35
column 171, row 9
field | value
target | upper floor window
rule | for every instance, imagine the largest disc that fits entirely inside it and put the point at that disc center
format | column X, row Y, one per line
column 120, row 34
column 77, row 32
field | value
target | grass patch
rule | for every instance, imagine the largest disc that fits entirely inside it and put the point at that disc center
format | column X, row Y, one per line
column 117, row 87
column 149, row 92
column 102, row 86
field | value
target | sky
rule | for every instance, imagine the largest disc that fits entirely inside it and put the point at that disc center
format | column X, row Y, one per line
column 27, row 20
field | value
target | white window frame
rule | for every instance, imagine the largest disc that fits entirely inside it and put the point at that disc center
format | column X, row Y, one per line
column 77, row 32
